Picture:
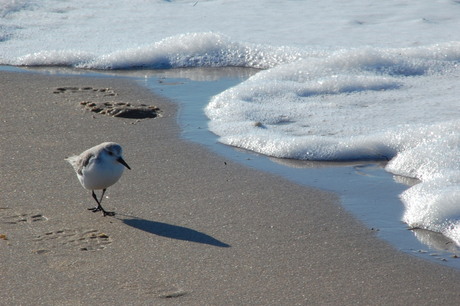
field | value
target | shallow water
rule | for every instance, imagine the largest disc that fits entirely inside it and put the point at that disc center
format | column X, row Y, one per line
column 369, row 192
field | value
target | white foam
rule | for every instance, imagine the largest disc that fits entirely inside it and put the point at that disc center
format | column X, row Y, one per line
column 434, row 203
column 399, row 105
column 195, row 50
column 185, row 50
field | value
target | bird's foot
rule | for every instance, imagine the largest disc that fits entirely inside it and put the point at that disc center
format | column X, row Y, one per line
column 95, row 209
column 104, row 212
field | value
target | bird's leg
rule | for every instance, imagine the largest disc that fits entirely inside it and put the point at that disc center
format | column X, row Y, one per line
column 102, row 196
column 99, row 207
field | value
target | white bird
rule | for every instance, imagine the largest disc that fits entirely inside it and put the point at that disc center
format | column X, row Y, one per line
column 99, row 168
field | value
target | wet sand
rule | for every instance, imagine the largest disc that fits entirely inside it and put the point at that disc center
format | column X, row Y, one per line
column 192, row 228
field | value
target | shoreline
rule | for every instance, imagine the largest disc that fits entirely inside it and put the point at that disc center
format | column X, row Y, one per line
column 366, row 190
column 191, row 228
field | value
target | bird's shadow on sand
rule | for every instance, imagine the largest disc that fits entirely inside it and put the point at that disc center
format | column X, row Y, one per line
column 172, row 231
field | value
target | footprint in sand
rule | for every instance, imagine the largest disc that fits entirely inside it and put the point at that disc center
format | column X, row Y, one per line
column 22, row 218
column 67, row 239
column 121, row 109
column 106, row 92
column 12, row 220
column 109, row 108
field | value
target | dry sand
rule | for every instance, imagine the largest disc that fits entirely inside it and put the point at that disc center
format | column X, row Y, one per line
column 192, row 228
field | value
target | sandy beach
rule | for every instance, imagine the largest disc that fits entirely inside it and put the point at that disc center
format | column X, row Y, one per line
column 192, row 228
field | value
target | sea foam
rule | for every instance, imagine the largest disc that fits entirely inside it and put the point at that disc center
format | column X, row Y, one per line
column 185, row 50
column 393, row 104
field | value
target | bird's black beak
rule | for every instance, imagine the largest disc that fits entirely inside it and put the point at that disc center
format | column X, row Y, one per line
column 121, row 161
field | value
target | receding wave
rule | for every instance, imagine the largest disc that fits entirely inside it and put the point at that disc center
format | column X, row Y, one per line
column 180, row 51
column 399, row 105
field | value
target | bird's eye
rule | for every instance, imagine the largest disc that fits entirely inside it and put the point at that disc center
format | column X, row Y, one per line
column 110, row 153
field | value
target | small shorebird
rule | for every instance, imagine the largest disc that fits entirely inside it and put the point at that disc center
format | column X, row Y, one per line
column 99, row 168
